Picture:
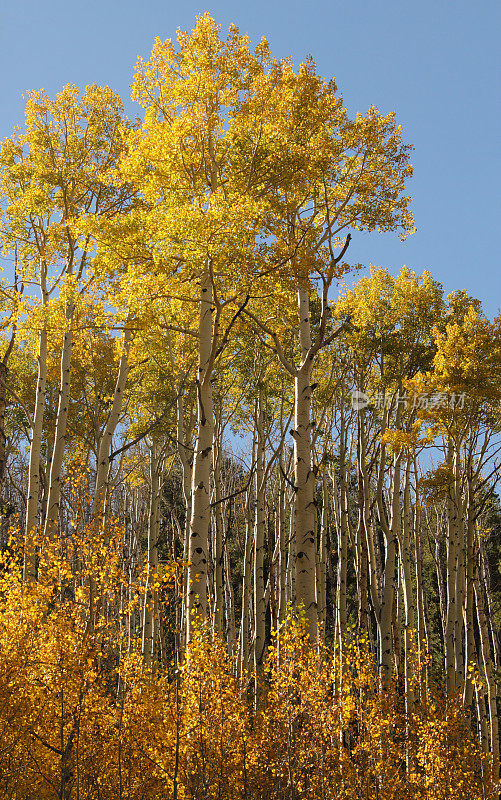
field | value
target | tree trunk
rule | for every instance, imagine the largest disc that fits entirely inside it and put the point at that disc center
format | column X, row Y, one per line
column 186, row 459
column 489, row 675
column 304, row 477
column 148, row 642
column 423, row 641
column 470, row 648
column 259, row 538
column 282, row 537
column 35, row 452
column 342, row 542
column 218, row 546
column 104, row 449
column 408, row 594
column 200, row 494
column 451, row 612
column 56, row 462
column 229, row 603
column 246, row 591
column 3, row 405
column 391, row 535
column 322, row 558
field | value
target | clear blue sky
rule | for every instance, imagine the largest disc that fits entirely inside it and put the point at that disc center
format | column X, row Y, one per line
column 435, row 62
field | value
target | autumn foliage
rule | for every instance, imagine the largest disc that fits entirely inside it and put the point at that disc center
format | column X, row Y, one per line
column 249, row 522
column 81, row 716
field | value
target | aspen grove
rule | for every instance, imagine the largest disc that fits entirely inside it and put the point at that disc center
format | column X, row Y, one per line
column 249, row 528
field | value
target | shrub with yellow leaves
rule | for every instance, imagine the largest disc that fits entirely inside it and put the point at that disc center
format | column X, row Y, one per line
column 82, row 716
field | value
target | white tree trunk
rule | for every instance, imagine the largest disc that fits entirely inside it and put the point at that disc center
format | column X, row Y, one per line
column 34, row 465
column 229, row 603
column 304, row 478
column 56, row 461
column 322, row 558
column 451, row 611
column 186, row 459
column 217, row 528
column 408, row 594
column 243, row 661
column 259, row 538
column 200, row 494
column 489, row 676
column 391, row 533
column 282, row 537
column 470, row 648
column 149, row 607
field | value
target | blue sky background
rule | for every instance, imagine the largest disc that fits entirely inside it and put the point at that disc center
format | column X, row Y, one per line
column 435, row 62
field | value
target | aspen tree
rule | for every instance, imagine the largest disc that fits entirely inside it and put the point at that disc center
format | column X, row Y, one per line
column 464, row 365
column 392, row 337
column 53, row 173
column 184, row 269
column 261, row 93
column 200, row 90
column 334, row 194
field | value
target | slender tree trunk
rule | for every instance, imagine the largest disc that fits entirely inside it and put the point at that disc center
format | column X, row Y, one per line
column 322, row 558
column 483, row 720
column 185, row 457
column 365, row 521
column 104, row 449
column 56, row 461
column 363, row 560
column 459, row 639
column 291, row 561
column 282, row 536
column 304, row 476
column 148, row 642
column 35, row 451
column 451, row 611
column 470, row 648
column 259, row 538
column 486, row 577
column 3, row 405
column 441, row 587
column 200, row 513
column 489, row 676
column 391, row 536
column 218, row 546
column 229, row 603
column 408, row 594
column 423, row 641
column 342, row 542
column 246, row 591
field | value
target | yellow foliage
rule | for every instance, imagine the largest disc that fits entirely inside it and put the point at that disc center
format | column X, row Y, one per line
column 81, row 716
